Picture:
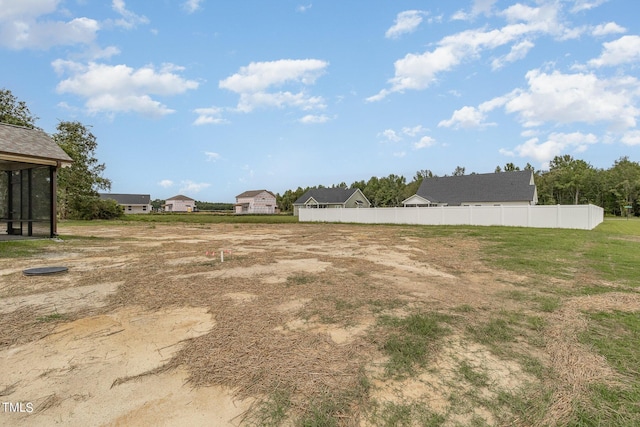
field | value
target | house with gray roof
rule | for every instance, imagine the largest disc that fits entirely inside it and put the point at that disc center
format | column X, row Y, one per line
column 179, row 203
column 29, row 161
column 130, row 203
column 489, row 189
column 256, row 202
column 321, row 198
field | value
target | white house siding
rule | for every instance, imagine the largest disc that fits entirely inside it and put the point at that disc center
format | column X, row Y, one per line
column 263, row 203
column 176, row 205
column 136, row 209
column 584, row 217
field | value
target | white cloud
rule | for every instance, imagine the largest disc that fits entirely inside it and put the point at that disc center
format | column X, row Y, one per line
column 259, row 76
column 25, row 32
column 419, row 71
column 624, row 50
column 252, row 100
column 631, row 138
column 555, row 145
column 11, row 9
column 561, row 99
column 166, row 183
column 128, row 19
column 518, row 51
column 207, row 116
column 479, row 7
column 608, row 28
column 461, row 15
column 192, row 6
column 211, row 156
column 119, row 88
column 581, row 5
column 575, row 98
column 314, row 119
column 254, row 81
column 466, row 117
column 425, row 141
column 188, row 186
column 24, row 24
column 482, row 6
column 303, row 8
column 414, row 131
column 390, row 135
column 400, row 154
column 406, row 22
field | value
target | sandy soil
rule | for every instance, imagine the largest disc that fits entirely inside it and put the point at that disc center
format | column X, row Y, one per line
column 149, row 327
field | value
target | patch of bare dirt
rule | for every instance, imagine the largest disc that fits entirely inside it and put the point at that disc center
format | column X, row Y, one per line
column 68, row 375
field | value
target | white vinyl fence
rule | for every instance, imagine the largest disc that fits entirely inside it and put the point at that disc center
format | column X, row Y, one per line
column 585, row 217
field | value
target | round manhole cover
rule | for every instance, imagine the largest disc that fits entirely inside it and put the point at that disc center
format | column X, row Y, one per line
column 41, row 271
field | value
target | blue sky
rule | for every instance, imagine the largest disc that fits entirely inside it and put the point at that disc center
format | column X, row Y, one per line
column 212, row 98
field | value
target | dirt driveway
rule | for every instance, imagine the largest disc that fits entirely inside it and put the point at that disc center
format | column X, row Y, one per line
column 150, row 327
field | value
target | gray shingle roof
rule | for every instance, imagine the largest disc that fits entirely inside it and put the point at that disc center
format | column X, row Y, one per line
column 128, row 199
column 27, row 142
column 326, row 195
column 253, row 193
column 181, row 197
column 488, row 187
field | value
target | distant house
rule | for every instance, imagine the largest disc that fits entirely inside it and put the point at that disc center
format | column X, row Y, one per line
column 489, row 189
column 331, row 198
column 29, row 161
column 256, row 202
column 179, row 203
column 130, row 203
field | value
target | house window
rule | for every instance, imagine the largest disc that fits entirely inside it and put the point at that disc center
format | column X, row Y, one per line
column 144, row 208
column 128, row 208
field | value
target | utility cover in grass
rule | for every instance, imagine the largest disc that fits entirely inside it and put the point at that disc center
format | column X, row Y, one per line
column 41, row 271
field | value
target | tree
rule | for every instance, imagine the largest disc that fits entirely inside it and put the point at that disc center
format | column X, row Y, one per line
column 412, row 187
column 286, row 200
column 623, row 182
column 459, row 171
column 570, row 179
column 385, row 192
column 79, row 183
column 15, row 112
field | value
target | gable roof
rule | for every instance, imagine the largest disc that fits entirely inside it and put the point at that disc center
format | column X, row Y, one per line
column 253, row 193
column 18, row 143
column 181, row 197
column 128, row 199
column 326, row 195
column 488, row 187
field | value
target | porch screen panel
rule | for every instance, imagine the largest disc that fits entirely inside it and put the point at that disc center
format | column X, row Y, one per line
column 15, row 196
column 41, row 201
column 4, row 194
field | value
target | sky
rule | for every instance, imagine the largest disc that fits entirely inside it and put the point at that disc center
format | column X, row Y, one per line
column 211, row 98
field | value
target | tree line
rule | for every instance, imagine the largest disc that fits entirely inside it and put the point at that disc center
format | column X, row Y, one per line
column 568, row 181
